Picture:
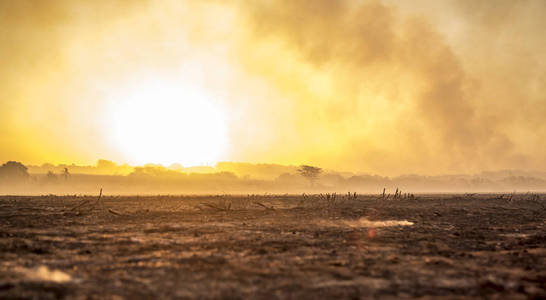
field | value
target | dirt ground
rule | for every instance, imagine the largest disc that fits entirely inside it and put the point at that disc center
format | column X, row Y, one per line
column 268, row 247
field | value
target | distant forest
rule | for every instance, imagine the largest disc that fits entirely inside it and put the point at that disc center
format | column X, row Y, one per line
column 244, row 178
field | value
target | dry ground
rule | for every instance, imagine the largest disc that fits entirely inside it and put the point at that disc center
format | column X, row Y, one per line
column 286, row 247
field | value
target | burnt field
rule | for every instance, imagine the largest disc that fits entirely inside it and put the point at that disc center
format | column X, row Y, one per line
column 264, row 247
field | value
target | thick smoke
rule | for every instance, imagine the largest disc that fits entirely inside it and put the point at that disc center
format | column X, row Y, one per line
column 401, row 96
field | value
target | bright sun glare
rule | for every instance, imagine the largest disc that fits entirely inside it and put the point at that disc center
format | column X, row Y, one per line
column 167, row 123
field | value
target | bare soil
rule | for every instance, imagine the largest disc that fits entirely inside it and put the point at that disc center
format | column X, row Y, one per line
column 267, row 247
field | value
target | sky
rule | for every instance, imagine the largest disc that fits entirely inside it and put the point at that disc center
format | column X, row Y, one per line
column 389, row 87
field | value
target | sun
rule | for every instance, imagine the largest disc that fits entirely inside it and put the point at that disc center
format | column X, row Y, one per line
column 167, row 123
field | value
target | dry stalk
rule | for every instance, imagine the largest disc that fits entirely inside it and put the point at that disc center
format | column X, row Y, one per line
column 264, row 206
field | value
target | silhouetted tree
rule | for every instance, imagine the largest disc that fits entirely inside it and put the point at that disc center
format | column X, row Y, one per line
column 309, row 172
column 13, row 171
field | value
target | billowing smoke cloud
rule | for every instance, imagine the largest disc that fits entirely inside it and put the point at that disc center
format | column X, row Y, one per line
column 501, row 51
column 391, row 88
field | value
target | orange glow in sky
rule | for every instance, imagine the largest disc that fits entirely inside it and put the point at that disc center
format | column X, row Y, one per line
column 374, row 86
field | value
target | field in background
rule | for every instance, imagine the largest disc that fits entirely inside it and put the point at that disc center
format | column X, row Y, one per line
column 263, row 247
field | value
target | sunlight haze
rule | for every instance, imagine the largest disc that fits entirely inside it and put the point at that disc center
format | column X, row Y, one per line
column 388, row 87
column 166, row 122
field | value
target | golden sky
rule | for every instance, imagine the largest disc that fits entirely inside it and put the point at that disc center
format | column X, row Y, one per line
column 387, row 86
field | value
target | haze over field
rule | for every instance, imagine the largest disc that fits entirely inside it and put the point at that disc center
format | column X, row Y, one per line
column 246, row 178
column 377, row 87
